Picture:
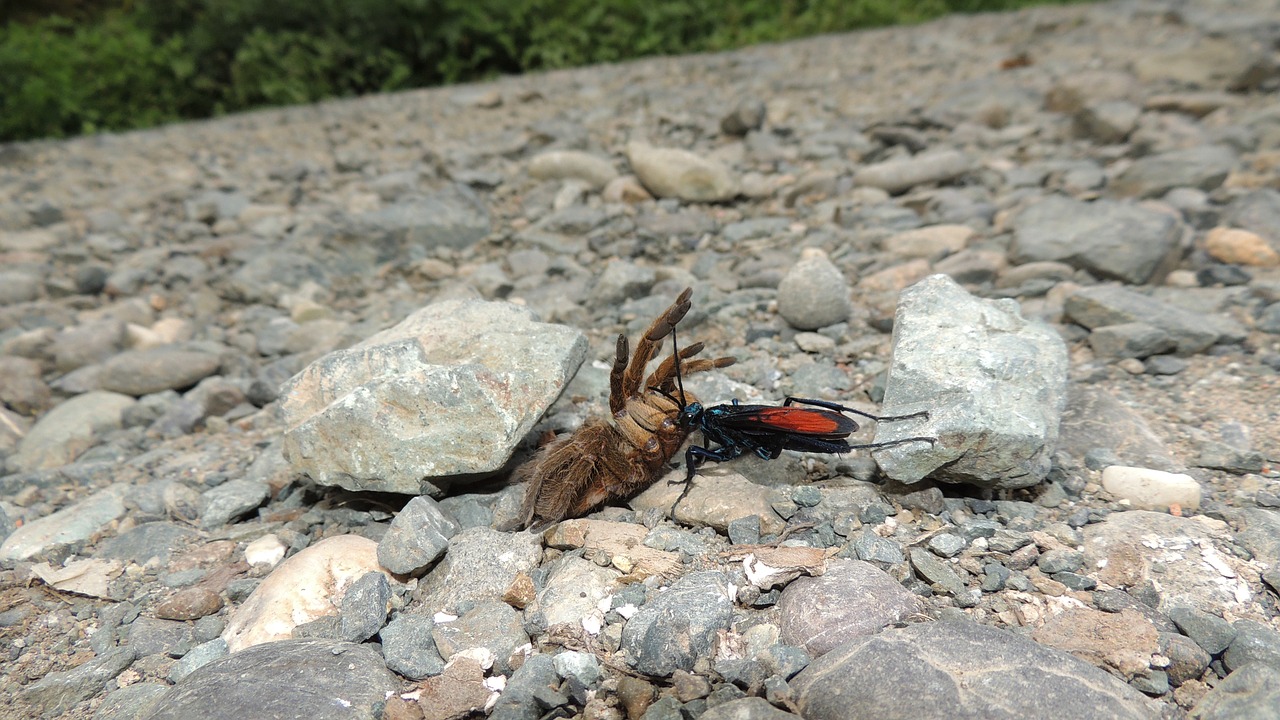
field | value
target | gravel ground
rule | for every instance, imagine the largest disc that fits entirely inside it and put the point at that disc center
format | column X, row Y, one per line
column 265, row 380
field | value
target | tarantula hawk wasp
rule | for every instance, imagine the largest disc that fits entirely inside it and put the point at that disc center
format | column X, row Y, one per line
column 767, row 430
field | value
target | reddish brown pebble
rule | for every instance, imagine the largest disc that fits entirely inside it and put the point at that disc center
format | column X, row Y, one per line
column 189, row 604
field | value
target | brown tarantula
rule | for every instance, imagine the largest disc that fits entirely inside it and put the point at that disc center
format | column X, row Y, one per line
column 612, row 458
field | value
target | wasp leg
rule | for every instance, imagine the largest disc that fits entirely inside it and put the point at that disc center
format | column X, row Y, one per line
column 891, row 443
column 841, row 408
column 693, row 457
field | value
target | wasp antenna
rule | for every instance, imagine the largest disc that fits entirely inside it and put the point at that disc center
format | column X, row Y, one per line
column 675, row 350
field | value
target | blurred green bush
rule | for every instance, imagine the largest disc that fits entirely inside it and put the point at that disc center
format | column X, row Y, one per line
column 91, row 65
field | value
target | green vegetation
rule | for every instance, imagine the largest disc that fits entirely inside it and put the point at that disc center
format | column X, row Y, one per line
column 96, row 65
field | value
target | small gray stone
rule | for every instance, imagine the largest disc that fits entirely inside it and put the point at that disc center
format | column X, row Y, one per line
column 517, row 700
column 131, row 702
column 871, row 547
column 364, row 607
column 199, row 656
column 1060, row 560
column 69, row 429
column 747, row 116
column 230, row 500
column 674, row 173
column 1254, row 643
column 679, row 626
column 418, row 535
column 621, row 281
column 1130, row 340
column 900, row 175
column 68, row 526
column 935, row 572
column 1187, row 660
column 814, row 293
column 480, row 565
column 947, row 545
column 454, row 216
column 142, row 372
column 1103, row 305
column 493, row 625
column 1203, row 167
column 409, row 647
column 581, row 666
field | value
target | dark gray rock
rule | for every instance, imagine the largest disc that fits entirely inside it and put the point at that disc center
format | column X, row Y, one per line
column 993, row 383
column 314, row 679
column 494, row 626
column 1203, row 167
column 959, row 670
column 364, row 607
column 131, row 702
column 230, row 500
column 1109, row 239
column 1261, row 534
column 517, row 699
column 1060, row 560
column 1222, row 456
column 418, row 535
column 151, row 636
column 480, row 565
column 1252, row 691
column 747, row 708
column 871, row 547
column 679, row 626
column 747, row 116
column 198, row 657
column 1103, row 305
column 58, row 692
column 1130, row 340
column 409, row 647
column 936, row 572
column 1254, row 643
column 580, row 667
column 146, row 541
column 850, row 600
column 1094, row 419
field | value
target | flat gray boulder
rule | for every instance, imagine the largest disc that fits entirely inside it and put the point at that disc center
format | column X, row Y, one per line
column 449, row 391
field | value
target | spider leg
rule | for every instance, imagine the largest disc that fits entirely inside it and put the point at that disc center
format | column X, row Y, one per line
column 617, row 398
column 651, row 342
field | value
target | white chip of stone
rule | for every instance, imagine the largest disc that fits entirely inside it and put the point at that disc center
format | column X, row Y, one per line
column 266, row 550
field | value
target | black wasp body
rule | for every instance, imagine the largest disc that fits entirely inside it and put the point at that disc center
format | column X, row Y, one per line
column 767, row 430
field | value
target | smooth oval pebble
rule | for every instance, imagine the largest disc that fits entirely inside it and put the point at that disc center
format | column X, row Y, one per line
column 189, row 604
column 1149, row 489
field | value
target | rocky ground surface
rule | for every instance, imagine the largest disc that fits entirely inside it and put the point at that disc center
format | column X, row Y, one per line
column 1095, row 533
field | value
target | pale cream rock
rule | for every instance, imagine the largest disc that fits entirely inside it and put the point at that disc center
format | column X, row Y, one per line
column 306, row 587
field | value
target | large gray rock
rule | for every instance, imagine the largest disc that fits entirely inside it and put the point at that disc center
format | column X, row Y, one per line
column 677, row 627
column 448, row 391
column 418, row 535
column 1109, row 239
column 852, row 599
column 994, row 385
column 1094, row 420
column 314, row 679
column 1189, row 559
column 959, row 670
column 58, row 692
column 1103, row 305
